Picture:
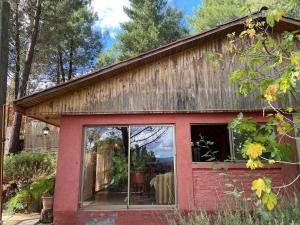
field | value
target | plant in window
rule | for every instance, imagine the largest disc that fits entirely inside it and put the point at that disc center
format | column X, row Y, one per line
column 139, row 159
column 210, row 154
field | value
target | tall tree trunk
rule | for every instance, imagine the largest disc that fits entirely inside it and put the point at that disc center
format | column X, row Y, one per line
column 4, row 25
column 57, row 72
column 71, row 60
column 61, row 63
column 15, row 133
column 125, row 138
column 18, row 50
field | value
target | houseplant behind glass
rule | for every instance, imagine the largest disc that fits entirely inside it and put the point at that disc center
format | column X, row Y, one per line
column 139, row 159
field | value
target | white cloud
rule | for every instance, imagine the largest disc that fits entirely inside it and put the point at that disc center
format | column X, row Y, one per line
column 110, row 13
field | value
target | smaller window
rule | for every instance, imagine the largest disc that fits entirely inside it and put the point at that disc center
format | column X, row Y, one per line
column 210, row 143
column 237, row 141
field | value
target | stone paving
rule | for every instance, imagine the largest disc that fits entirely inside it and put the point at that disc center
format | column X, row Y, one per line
column 19, row 218
column 29, row 222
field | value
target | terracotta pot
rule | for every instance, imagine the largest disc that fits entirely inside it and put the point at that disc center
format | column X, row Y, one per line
column 47, row 202
column 137, row 177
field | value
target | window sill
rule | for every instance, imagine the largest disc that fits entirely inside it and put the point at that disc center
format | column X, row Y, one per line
column 131, row 208
column 231, row 166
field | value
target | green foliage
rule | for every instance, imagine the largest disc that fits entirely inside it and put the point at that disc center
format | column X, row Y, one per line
column 208, row 14
column 215, row 12
column 42, row 187
column 270, row 68
column 67, row 31
column 119, row 173
column 266, row 55
column 139, row 158
column 287, row 214
column 26, row 167
column 20, row 202
column 107, row 58
column 152, row 23
column 263, row 134
column 28, row 199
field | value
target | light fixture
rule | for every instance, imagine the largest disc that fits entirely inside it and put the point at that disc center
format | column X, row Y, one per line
column 46, row 131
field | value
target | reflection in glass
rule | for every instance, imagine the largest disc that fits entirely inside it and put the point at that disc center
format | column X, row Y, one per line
column 105, row 166
column 107, row 160
column 151, row 165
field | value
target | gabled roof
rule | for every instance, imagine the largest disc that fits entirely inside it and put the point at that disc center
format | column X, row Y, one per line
column 21, row 104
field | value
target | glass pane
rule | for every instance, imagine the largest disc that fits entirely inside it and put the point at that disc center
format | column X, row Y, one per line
column 238, row 141
column 105, row 166
column 151, row 165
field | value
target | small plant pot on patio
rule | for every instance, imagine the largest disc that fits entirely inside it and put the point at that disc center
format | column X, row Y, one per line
column 47, row 202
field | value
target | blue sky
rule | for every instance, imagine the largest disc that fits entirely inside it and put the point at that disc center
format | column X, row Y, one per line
column 110, row 13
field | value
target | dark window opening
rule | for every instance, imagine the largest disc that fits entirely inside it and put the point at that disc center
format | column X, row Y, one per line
column 210, row 143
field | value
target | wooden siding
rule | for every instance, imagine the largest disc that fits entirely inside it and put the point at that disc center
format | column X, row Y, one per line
column 185, row 82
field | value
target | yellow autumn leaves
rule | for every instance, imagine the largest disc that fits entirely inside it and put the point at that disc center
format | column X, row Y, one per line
column 271, row 92
column 262, row 186
column 253, row 151
column 258, row 186
column 250, row 31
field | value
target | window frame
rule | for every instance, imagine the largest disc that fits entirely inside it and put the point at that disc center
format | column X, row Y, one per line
column 126, row 206
column 231, row 145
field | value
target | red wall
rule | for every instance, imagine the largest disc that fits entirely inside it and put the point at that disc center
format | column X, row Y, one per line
column 197, row 184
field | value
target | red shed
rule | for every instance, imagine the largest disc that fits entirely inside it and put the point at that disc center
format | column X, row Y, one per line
column 129, row 149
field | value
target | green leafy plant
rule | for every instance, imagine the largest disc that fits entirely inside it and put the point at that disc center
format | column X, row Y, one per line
column 28, row 199
column 26, row 167
column 20, row 202
column 42, row 187
column 287, row 214
column 139, row 159
column 119, row 174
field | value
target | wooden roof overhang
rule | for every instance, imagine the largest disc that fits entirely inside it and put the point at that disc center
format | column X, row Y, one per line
column 23, row 105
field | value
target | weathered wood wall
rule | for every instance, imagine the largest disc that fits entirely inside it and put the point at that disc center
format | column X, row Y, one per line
column 35, row 140
column 185, row 82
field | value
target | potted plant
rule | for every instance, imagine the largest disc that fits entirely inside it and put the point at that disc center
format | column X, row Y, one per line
column 47, row 196
column 139, row 159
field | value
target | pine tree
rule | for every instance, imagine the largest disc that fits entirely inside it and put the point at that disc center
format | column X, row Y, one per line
column 72, row 44
column 152, row 23
column 61, row 42
column 212, row 13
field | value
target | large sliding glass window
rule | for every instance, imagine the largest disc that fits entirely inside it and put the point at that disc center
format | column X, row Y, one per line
column 127, row 166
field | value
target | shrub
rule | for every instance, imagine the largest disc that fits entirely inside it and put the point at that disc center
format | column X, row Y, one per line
column 42, row 187
column 288, row 213
column 20, row 202
column 29, row 198
column 26, row 167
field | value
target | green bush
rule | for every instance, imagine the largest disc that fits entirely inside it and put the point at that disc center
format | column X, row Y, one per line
column 288, row 213
column 26, row 167
column 42, row 187
column 29, row 198
column 20, row 202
